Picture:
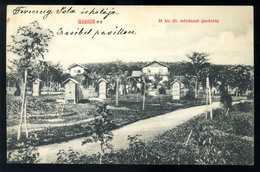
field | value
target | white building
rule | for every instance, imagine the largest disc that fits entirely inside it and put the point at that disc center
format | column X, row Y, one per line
column 76, row 69
column 153, row 68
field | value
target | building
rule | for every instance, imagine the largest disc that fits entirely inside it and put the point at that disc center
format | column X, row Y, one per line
column 153, row 68
column 136, row 74
column 36, row 87
column 73, row 91
column 76, row 69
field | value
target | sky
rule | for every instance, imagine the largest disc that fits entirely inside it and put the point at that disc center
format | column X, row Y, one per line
column 230, row 41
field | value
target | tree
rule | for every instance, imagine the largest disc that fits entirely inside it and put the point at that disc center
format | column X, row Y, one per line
column 240, row 78
column 102, row 130
column 49, row 73
column 157, row 79
column 144, row 80
column 118, row 73
column 195, row 67
column 29, row 43
column 123, row 81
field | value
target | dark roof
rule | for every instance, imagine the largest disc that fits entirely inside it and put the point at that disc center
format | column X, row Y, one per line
column 76, row 64
column 162, row 64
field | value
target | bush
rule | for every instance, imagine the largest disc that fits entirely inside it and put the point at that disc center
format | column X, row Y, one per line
column 246, row 107
column 250, row 95
column 190, row 95
column 242, row 126
column 162, row 90
column 70, row 157
column 26, row 154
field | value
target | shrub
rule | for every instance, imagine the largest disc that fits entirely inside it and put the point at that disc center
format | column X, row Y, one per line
column 26, row 154
column 190, row 95
column 70, row 157
column 101, row 129
column 162, row 90
column 137, row 153
column 250, row 95
column 246, row 107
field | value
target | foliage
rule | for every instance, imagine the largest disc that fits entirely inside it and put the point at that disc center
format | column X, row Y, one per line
column 51, row 135
column 70, row 157
column 26, row 154
column 29, row 43
column 190, row 95
column 198, row 67
column 209, row 144
column 241, row 78
column 157, row 79
column 101, row 129
column 162, row 90
column 144, row 81
column 50, row 72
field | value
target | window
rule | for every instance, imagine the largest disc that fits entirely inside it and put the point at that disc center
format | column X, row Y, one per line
column 148, row 70
column 78, row 71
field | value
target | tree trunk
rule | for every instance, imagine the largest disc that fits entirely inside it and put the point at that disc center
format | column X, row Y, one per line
column 144, row 93
column 117, row 91
column 23, row 105
column 207, row 99
column 196, row 88
column 144, row 98
column 101, row 154
column 25, row 120
column 210, row 99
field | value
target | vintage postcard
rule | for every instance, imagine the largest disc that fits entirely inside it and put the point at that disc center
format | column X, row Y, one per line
column 130, row 84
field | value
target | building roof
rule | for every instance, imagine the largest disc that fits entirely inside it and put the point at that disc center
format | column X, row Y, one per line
column 238, row 66
column 102, row 79
column 37, row 80
column 70, row 79
column 176, row 80
column 76, row 64
column 162, row 64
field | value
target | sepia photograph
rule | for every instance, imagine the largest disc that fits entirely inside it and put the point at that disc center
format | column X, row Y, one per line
column 160, row 85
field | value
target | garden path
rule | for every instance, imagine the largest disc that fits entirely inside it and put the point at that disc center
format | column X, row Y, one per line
column 147, row 128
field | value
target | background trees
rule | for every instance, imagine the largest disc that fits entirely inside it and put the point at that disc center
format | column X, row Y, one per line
column 195, row 67
column 29, row 43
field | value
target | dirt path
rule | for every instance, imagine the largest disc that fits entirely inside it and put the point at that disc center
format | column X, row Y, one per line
column 147, row 128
